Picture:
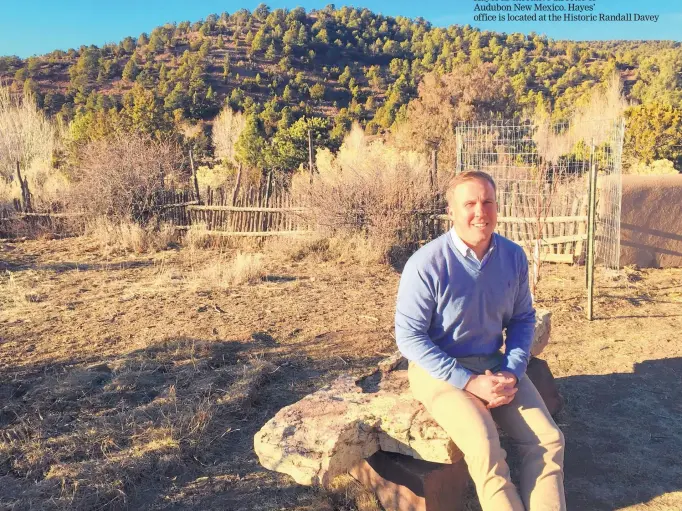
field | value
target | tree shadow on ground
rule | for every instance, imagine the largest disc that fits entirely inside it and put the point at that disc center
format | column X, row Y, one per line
column 171, row 426
column 167, row 426
column 622, row 438
column 623, row 435
column 66, row 266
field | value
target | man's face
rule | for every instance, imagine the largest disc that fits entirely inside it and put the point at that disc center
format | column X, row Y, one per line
column 473, row 211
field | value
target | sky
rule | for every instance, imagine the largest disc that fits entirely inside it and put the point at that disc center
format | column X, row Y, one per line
column 35, row 27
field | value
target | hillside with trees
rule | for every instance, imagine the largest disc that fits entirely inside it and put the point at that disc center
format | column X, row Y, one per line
column 289, row 72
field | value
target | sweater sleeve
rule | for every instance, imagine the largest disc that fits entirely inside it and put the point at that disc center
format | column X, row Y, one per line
column 415, row 306
column 521, row 326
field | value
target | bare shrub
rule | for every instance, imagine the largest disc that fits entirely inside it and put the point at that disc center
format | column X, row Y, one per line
column 119, row 177
column 26, row 136
column 592, row 122
column 227, row 127
column 368, row 188
column 29, row 138
column 468, row 93
column 127, row 236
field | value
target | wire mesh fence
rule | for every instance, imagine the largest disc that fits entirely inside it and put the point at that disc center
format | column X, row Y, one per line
column 542, row 175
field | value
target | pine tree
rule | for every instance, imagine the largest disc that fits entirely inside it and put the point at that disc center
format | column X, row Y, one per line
column 156, row 43
column 345, row 77
column 259, row 43
column 226, row 68
column 271, row 53
column 251, row 144
column 128, row 45
column 317, row 92
column 131, row 69
column 302, row 37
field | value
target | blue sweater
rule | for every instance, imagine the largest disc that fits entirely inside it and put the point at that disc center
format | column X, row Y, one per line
column 452, row 306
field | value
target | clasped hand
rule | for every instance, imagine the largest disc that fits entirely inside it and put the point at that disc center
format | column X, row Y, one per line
column 494, row 389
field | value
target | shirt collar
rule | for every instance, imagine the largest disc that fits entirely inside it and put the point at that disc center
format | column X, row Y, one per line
column 463, row 249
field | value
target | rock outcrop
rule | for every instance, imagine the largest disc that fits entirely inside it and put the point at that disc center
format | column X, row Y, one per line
column 326, row 433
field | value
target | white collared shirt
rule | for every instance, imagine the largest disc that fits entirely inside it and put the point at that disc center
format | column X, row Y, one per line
column 467, row 252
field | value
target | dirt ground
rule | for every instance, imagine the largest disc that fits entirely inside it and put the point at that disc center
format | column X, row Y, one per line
column 139, row 381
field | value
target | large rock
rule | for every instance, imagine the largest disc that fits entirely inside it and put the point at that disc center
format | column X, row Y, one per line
column 326, row 433
column 329, row 431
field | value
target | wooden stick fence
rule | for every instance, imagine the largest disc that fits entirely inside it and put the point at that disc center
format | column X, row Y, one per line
column 257, row 212
column 171, row 206
column 555, row 233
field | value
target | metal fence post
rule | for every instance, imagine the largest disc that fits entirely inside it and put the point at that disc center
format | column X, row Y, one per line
column 460, row 151
column 591, row 234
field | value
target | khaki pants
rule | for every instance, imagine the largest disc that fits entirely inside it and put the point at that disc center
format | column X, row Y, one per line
column 472, row 427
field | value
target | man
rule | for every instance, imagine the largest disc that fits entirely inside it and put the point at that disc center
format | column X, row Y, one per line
column 457, row 294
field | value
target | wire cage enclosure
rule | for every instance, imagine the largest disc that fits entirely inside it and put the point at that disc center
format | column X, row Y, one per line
column 544, row 174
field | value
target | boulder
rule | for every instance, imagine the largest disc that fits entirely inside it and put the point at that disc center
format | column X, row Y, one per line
column 328, row 432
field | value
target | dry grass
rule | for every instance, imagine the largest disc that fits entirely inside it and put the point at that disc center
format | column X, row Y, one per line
column 346, row 494
column 217, row 262
column 221, row 268
column 17, row 293
column 198, row 238
column 245, row 268
column 348, row 248
column 117, row 237
column 119, row 392
column 225, row 271
column 125, row 423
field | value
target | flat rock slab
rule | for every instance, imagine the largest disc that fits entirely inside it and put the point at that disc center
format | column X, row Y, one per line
column 328, row 432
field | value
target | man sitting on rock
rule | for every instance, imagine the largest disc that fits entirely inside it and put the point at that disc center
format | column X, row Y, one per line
column 457, row 294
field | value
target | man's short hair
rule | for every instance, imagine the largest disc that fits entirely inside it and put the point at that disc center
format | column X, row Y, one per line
column 468, row 175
